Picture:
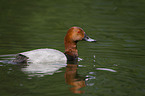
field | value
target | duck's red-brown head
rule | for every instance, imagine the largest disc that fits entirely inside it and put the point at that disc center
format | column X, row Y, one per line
column 74, row 34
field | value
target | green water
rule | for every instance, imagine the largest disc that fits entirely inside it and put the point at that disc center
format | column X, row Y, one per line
column 117, row 25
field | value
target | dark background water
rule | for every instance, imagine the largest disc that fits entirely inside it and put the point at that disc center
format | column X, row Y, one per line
column 117, row 25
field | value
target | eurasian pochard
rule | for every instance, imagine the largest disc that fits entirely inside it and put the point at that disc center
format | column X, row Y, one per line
column 74, row 34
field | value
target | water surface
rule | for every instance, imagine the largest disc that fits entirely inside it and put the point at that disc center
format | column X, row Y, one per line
column 113, row 66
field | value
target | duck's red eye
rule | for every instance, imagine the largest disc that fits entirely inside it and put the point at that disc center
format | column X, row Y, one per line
column 79, row 31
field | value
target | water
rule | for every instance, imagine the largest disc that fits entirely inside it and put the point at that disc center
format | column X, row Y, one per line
column 113, row 66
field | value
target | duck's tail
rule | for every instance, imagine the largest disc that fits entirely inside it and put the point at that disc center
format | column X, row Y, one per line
column 13, row 58
column 20, row 59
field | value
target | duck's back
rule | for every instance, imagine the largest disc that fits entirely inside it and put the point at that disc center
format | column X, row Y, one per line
column 45, row 55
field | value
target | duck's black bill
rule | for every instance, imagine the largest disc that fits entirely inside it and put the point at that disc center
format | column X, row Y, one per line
column 87, row 38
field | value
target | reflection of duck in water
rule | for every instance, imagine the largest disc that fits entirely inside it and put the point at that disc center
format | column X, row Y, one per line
column 73, row 79
column 73, row 35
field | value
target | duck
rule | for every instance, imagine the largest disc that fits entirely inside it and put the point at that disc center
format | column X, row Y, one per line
column 53, row 56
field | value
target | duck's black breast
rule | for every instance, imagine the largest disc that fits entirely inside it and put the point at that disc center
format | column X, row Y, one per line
column 70, row 58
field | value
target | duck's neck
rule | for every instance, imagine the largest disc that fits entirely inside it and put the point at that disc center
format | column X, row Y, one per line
column 71, row 48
